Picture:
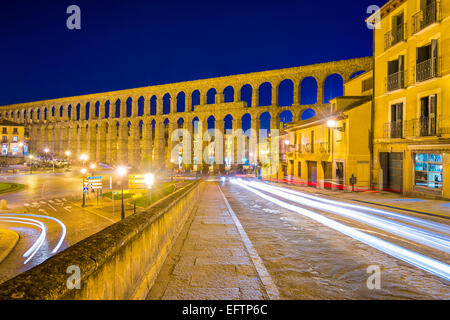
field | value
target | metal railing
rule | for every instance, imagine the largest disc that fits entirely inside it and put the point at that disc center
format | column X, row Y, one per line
column 420, row 127
column 427, row 69
column 422, row 19
column 393, row 130
column 395, row 81
column 394, row 36
column 323, row 147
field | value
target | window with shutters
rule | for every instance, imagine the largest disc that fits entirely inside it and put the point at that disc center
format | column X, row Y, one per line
column 427, row 120
column 396, row 74
column 394, row 128
column 427, row 61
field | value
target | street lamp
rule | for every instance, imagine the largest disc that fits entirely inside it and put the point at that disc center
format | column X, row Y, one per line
column 172, row 168
column 121, row 172
column 83, row 158
column 83, row 172
column 149, row 179
column 31, row 163
column 92, row 166
column 332, row 125
column 47, row 150
column 68, row 153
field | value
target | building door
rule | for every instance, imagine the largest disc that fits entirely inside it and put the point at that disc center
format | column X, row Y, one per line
column 392, row 166
column 340, row 175
column 327, row 174
column 312, row 173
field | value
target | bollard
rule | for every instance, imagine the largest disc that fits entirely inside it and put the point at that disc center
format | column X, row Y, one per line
column 3, row 205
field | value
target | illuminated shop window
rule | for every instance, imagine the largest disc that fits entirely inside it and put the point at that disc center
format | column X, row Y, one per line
column 428, row 170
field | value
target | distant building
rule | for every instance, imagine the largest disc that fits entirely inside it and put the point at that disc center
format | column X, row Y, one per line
column 326, row 150
column 412, row 98
column 14, row 143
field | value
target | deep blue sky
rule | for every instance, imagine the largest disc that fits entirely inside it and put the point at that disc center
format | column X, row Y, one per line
column 127, row 44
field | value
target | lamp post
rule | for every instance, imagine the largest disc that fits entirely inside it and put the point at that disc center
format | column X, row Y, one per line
column 83, row 158
column 149, row 179
column 121, row 172
column 47, row 150
column 83, row 172
column 171, row 169
column 31, row 163
column 68, row 153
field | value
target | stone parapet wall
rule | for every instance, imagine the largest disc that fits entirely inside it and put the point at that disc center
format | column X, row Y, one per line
column 119, row 262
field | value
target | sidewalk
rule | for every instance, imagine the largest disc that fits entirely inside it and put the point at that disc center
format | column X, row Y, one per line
column 386, row 200
column 210, row 259
column 8, row 240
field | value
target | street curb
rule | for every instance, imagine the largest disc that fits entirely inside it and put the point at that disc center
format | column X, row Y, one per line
column 12, row 237
column 433, row 214
column 12, row 189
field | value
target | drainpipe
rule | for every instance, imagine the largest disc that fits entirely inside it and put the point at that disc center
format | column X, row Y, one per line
column 372, row 114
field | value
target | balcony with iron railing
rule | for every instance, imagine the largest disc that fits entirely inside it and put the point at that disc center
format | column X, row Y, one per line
column 427, row 69
column 426, row 17
column 394, row 36
column 421, row 127
column 395, row 81
column 393, row 130
column 324, row 147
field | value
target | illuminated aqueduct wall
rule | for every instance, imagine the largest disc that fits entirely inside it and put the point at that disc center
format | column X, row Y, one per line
column 130, row 125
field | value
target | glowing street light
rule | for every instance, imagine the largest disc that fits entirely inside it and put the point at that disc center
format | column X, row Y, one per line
column 31, row 163
column 149, row 180
column 121, row 172
column 331, row 123
column 68, row 153
column 83, row 172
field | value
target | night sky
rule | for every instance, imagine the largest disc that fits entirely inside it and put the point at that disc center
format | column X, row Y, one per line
column 128, row 44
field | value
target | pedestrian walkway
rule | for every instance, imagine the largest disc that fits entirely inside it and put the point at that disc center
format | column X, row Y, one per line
column 210, row 259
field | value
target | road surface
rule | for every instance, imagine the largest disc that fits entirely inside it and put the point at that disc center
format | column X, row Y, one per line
column 318, row 248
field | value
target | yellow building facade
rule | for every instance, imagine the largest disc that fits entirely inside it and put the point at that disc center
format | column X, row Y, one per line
column 327, row 150
column 14, row 142
column 411, row 118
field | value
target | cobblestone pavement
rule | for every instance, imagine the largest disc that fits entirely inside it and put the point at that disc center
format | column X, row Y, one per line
column 209, row 259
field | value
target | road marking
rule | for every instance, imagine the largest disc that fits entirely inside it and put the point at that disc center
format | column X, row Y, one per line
column 51, row 206
column 266, row 279
column 26, row 205
column 43, row 211
column 68, row 208
column 51, row 201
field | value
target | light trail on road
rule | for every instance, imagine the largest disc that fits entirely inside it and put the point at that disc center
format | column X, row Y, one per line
column 430, row 239
column 418, row 221
column 20, row 218
column 423, row 262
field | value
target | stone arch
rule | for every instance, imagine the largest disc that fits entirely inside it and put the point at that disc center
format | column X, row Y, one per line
column 53, row 111
column 141, row 129
column 181, row 102
column 97, row 109
column 265, row 94
column 45, row 113
column 307, row 114
column 61, row 112
column 228, row 94
column 211, row 122
column 87, row 111
column 166, row 103
column 180, row 123
column 356, row 74
column 195, row 99
column 333, row 87
column 264, row 120
column 211, row 96
column 308, row 91
column 285, row 117
column 107, row 109
column 153, row 105
column 117, row 109
column 228, row 122
column 246, row 122
column 141, row 106
column 246, row 94
column 129, row 107
column 286, row 93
